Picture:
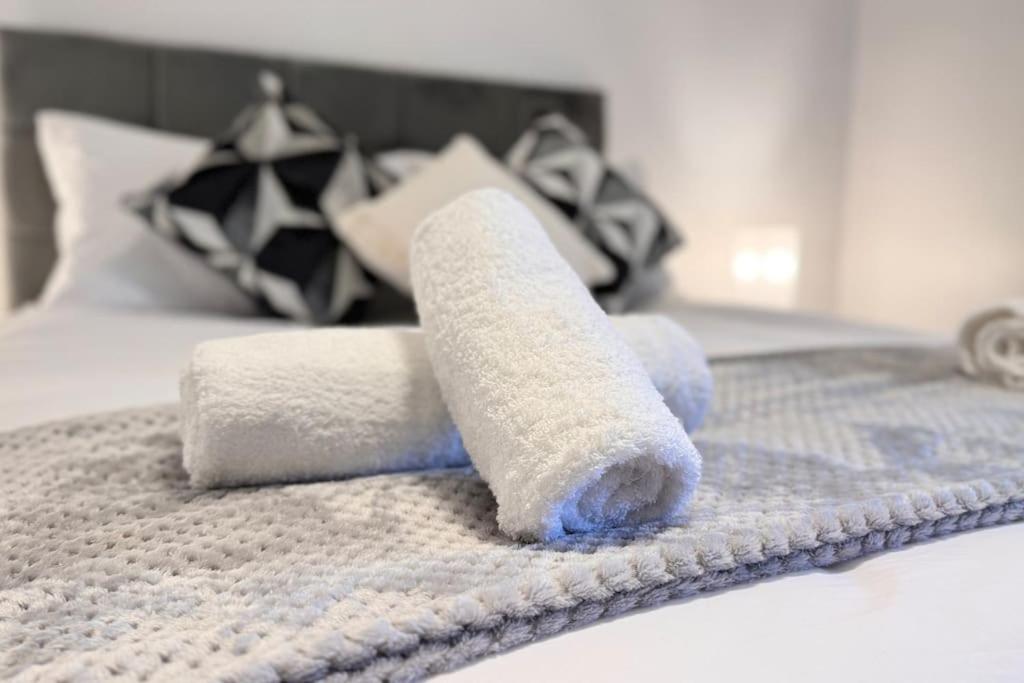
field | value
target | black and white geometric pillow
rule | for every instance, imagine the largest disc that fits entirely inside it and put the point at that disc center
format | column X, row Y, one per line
column 554, row 156
column 255, row 209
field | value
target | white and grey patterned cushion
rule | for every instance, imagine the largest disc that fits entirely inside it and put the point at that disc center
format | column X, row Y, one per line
column 553, row 154
column 256, row 206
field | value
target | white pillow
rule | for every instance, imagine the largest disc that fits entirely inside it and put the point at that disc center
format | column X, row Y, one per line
column 106, row 254
column 380, row 230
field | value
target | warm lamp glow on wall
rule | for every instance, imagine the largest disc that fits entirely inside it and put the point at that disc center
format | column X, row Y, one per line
column 766, row 265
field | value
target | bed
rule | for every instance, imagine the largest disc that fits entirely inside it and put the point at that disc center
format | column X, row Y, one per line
column 945, row 610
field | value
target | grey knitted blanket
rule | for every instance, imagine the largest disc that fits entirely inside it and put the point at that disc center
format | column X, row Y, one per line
column 112, row 567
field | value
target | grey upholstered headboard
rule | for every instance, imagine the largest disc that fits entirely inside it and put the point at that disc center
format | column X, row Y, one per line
column 199, row 91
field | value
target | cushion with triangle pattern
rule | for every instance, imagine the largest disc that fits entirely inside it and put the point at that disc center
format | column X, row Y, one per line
column 554, row 156
column 255, row 207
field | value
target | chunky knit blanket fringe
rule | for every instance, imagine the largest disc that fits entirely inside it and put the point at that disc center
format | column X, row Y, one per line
column 112, row 567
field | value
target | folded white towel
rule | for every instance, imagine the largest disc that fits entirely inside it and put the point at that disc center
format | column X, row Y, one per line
column 992, row 344
column 555, row 410
column 323, row 404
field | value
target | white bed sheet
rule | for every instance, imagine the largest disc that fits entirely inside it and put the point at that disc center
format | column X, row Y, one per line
column 950, row 610
column 58, row 362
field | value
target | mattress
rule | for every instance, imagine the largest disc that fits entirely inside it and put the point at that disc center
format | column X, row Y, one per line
column 883, row 617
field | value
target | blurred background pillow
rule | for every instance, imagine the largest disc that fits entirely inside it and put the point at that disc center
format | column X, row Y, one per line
column 255, row 209
column 106, row 257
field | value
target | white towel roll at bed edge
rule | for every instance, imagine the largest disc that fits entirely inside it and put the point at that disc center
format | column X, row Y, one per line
column 323, row 404
column 555, row 410
column 991, row 344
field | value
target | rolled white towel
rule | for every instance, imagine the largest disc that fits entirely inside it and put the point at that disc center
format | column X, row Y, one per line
column 992, row 344
column 329, row 403
column 555, row 410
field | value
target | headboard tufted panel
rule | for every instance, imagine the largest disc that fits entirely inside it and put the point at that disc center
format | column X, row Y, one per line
column 199, row 91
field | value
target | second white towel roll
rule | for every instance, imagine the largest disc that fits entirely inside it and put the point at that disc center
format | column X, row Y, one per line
column 555, row 410
column 322, row 404
column 991, row 344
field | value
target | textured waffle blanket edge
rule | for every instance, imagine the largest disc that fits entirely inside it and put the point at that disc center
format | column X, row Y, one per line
column 111, row 566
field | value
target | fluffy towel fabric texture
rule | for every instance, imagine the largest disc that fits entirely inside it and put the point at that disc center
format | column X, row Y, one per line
column 109, row 562
column 555, row 411
column 992, row 344
column 323, row 404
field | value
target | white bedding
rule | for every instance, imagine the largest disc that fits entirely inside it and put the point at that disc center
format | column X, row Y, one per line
column 63, row 361
column 928, row 612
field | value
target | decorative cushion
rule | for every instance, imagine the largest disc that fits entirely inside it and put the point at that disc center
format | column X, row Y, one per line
column 554, row 156
column 255, row 209
column 106, row 256
column 381, row 229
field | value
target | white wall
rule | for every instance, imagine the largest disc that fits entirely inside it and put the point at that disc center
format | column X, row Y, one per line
column 737, row 108
column 934, row 217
